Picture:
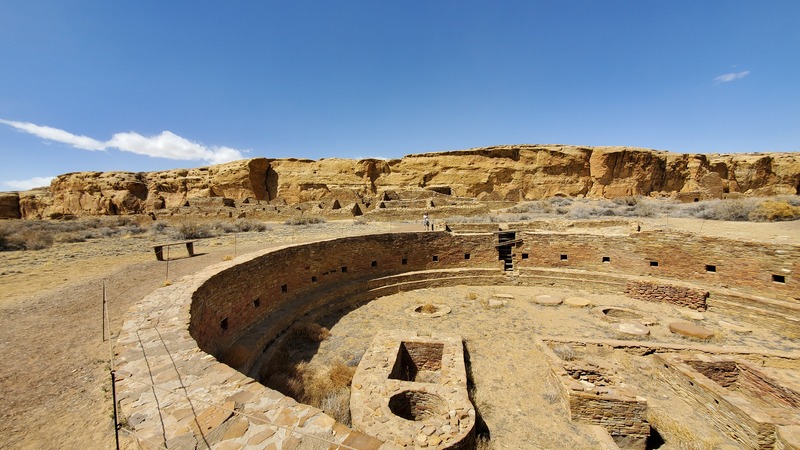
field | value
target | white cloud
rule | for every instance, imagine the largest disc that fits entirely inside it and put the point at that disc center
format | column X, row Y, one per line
column 55, row 134
column 728, row 77
column 165, row 145
column 24, row 185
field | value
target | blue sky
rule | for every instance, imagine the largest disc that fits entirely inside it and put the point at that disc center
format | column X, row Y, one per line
column 152, row 85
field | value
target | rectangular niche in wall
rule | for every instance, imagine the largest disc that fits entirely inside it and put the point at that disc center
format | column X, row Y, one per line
column 404, row 261
column 711, row 268
column 435, row 258
column 563, row 257
column 285, row 288
column 420, row 362
column 606, row 259
column 466, row 255
column 524, row 256
column 374, row 263
column 653, row 263
column 778, row 278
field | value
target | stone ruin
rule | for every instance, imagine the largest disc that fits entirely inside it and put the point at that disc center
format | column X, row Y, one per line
column 412, row 391
column 596, row 395
column 739, row 399
column 188, row 354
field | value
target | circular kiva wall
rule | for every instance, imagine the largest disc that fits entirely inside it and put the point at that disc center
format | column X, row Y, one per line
column 184, row 353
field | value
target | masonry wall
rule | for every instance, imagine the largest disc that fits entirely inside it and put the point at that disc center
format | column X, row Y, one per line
column 734, row 417
column 622, row 418
column 237, row 299
column 664, row 293
column 270, row 291
column 679, row 256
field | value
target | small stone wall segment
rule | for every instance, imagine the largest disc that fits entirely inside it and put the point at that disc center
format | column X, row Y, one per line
column 735, row 410
column 603, row 401
column 665, row 293
column 411, row 391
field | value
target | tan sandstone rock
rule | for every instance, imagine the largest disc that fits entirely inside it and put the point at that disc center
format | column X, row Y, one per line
column 500, row 173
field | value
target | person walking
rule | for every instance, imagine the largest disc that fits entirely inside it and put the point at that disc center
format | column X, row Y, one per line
column 426, row 221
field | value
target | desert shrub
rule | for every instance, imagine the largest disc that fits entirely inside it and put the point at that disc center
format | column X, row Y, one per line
column 428, row 308
column 564, row 352
column 245, row 225
column 193, row 229
column 560, row 201
column 551, row 397
column 587, row 211
column 771, row 210
column 159, row 227
column 731, row 209
column 341, row 374
column 304, row 220
column 6, row 243
column 337, row 405
column 308, row 331
column 31, row 239
column 625, row 201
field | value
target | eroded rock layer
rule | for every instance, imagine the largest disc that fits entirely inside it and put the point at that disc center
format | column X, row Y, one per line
column 502, row 173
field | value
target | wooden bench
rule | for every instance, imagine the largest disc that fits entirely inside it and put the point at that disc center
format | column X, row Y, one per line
column 159, row 248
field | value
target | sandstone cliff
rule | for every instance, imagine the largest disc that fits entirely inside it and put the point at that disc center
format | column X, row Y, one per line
column 502, row 173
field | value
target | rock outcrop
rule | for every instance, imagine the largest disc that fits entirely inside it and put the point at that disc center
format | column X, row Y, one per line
column 502, row 173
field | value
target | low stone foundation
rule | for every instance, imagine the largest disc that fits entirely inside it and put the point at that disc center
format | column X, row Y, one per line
column 664, row 293
column 597, row 397
column 412, row 391
column 742, row 402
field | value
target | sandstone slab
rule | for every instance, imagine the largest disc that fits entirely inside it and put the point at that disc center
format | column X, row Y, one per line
column 690, row 330
column 577, row 302
column 632, row 328
column 548, row 300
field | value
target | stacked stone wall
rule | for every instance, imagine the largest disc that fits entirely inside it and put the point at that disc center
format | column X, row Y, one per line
column 624, row 419
column 677, row 256
column 664, row 293
column 732, row 414
column 233, row 301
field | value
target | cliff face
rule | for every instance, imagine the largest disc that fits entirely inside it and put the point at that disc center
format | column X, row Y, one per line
column 512, row 173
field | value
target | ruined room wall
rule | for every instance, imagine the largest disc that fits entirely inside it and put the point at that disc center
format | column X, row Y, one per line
column 680, row 256
column 664, row 293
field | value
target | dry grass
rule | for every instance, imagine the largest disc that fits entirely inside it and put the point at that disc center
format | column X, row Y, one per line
column 565, row 352
column 308, row 331
column 736, row 209
column 304, row 220
column 324, row 387
column 428, row 308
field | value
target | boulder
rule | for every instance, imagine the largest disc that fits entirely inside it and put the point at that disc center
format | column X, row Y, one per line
column 9, row 205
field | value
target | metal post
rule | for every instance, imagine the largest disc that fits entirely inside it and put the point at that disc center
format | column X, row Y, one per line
column 104, row 312
column 114, row 397
column 166, row 279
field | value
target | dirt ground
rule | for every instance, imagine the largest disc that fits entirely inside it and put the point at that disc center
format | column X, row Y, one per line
column 54, row 375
